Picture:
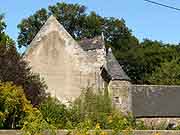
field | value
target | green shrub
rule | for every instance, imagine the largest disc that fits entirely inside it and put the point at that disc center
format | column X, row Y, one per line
column 17, row 112
column 97, row 108
column 92, row 106
column 35, row 124
column 91, row 110
column 54, row 112
column 13, row 104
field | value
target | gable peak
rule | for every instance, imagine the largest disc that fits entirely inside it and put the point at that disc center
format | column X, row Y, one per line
column 52, row 19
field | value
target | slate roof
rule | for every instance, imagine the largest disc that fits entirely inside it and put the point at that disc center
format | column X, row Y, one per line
column 91, row 44
column 114, row 69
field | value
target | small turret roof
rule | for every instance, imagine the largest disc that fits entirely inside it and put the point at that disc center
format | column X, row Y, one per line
column 114, row 69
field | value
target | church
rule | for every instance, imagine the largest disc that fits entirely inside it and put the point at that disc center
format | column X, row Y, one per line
column 68, row 66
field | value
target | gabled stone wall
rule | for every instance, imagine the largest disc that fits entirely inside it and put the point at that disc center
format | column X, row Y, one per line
column 62, row 63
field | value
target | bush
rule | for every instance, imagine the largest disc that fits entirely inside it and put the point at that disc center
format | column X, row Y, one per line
column 54, row 112
column 95, row 108
column 35, row 124
column 12, row 105
column 91, row 110
column 17, row 112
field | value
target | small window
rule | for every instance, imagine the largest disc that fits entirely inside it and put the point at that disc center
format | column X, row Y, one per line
column 116, row 99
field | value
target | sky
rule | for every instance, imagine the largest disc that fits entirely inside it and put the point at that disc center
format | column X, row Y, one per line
column 144, row 19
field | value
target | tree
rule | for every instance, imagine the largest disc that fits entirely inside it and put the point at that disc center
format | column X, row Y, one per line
column 13, row 104
column 29, row 27
column 167, row 74
column 15, row 69
column 17, row 112
column 142, row 60
column 4, row 39
column 78, row 23
column 2, row 23
column 71, row 16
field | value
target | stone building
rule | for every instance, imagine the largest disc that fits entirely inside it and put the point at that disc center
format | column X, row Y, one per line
column 68, row 66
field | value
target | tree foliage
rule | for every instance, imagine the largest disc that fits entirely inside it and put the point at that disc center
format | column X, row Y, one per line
column 12, row 105
column 4, row 38
column 15, row 69
column 78, row 23
column 167, row 74
column 143, row 60
column 17, row 112
column 2, row 23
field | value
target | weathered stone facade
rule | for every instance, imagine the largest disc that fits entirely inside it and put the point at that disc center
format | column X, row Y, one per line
column 66, row 65
column 155, row 100
column 160, row 122
column 120, row 94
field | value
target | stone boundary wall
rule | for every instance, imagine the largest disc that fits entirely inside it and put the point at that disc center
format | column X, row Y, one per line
column 136, row 132
column 146, row 101
column 155, row 100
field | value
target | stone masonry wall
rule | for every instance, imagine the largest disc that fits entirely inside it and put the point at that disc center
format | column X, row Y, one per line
column 146, row 100
column 153, row 104
column 136, row 132
column 62, row 63
column 155, row 100
column 120, row 93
